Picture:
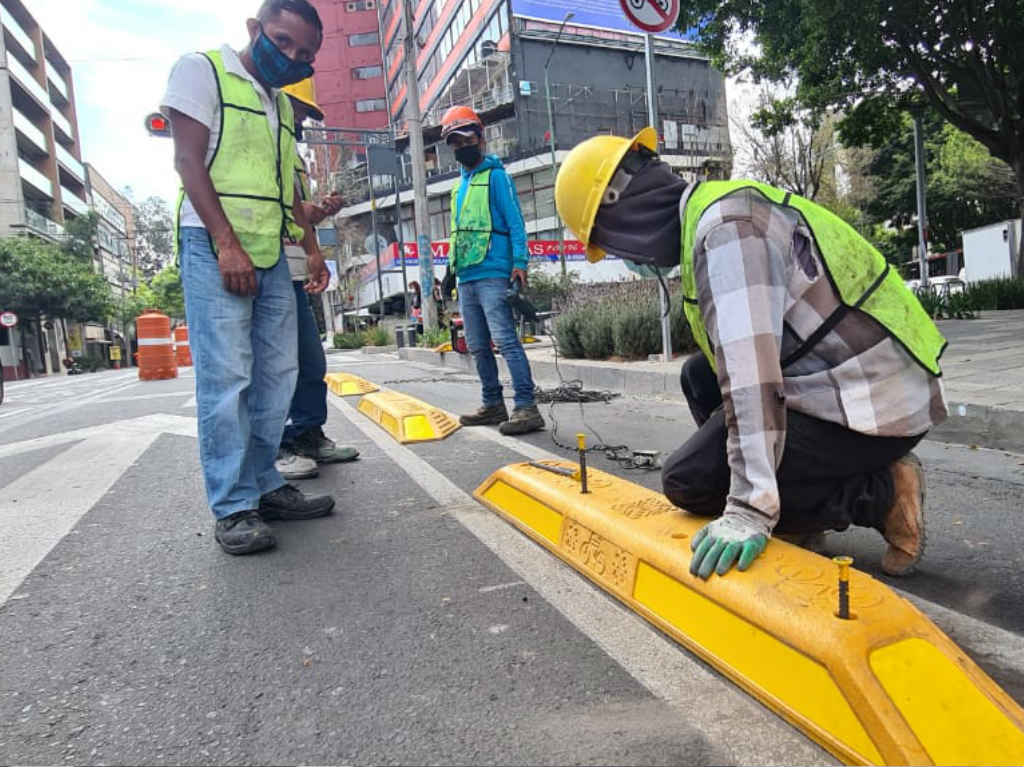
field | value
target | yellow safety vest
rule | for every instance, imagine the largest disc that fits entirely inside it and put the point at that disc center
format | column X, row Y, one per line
column 858, row 272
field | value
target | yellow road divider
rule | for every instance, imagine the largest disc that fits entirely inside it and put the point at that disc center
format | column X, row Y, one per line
column 346, row 384
column 406, row 418
column 881, row 686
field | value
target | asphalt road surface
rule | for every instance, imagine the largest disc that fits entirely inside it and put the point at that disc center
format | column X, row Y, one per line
column 413, row 626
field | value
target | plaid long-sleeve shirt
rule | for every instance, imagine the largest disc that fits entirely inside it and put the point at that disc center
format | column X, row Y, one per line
column 763, row 290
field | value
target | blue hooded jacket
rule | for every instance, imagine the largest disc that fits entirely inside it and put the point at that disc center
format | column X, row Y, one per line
column 505, row 252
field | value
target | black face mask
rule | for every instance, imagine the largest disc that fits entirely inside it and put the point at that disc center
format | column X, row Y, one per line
column 643, row 225
column 469, row 156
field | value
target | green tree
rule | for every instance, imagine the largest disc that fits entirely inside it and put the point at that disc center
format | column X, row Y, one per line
column 966, row 187
column 871, row 58
column 168, row 292
column 80, row 241
column 154, row 235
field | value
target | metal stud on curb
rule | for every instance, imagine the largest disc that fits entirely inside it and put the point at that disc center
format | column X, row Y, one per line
column 581, row 445
column 843, row 563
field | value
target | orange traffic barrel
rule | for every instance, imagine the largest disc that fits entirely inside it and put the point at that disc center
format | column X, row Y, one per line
column 156, row 350
column 182, row 351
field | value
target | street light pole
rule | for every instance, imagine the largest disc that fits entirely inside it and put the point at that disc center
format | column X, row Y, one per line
column 652, row 118
column 551, row 138
column 922, row 213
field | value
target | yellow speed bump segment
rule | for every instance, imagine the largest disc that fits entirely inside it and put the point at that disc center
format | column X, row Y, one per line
column 346, row 384
column 406, row 418
column 881, row 686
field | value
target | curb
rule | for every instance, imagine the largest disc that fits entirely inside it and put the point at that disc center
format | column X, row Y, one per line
column 968, row 424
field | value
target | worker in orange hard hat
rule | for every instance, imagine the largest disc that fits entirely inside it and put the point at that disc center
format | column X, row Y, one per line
column 488, row 256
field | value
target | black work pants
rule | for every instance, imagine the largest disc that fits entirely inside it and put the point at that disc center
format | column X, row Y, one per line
column 830, row 477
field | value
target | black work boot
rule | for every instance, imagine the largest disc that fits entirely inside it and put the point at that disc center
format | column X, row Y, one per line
column 523, row 421
column 244, row 533
column 287, row 503
column 488, row 415
column 316, row 445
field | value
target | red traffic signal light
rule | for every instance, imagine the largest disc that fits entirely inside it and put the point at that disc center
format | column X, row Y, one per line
column 158, row 125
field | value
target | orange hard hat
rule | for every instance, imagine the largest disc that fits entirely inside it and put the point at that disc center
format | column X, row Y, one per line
column 459, row 117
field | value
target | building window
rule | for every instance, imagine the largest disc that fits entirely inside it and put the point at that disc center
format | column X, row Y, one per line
column 367, row 73
column 361, row 5
column 371, row 105
column 365, row 38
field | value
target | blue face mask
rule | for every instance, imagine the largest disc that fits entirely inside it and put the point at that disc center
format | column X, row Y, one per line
column 275, row 68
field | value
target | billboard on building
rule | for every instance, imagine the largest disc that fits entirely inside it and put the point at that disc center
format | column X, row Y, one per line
column 592, row 13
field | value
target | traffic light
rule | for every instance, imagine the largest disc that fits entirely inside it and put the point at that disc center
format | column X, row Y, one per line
column 158, row 125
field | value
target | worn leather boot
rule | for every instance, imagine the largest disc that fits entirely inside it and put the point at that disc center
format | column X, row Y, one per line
column 904, row 524
column 487, row 415
column 523, row 421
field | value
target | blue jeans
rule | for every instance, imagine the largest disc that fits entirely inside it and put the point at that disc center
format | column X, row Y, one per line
column 243, row 348
column 486, row 315
column 309, row 404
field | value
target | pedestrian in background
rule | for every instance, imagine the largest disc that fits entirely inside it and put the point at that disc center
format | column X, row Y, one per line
column 488, row 253
column 234, row 143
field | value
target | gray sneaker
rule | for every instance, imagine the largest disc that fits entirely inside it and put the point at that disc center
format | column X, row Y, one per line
column 291, row 466
column 488, row 415
column 523, row 421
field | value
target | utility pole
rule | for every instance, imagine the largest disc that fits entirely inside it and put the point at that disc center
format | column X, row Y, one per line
column 922, row 213
column 652, row 118
column 414, row 124
column 551, row 139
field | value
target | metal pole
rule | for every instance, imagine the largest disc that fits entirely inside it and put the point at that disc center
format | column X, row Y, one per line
column 376, row 245
column 398, row 234
column 652, row 118
column 414, row 123
column 922, row 213
column 551, row 140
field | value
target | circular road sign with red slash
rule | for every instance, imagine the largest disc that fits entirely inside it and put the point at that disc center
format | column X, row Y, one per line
column 8, row 319
column 651, row 15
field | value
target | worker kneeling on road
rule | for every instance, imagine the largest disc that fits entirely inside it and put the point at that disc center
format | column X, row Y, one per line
column 819, row 370
column 488, row 252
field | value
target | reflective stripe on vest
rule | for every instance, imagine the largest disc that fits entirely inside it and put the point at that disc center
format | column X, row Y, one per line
column 471, row 227
column 249, row 165
column 859, row 274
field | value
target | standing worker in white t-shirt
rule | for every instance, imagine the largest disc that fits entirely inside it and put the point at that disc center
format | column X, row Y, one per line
column 234, row 148
column 304, row 444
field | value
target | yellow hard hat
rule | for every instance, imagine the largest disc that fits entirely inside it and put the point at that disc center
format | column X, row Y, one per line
column 585, row 175
column 304, row 91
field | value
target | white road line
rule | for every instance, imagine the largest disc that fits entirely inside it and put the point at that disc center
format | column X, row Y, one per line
column 500, row 587
column 150, row 424
column 73, row 401
column 7, row 413
column 706, row 701
column 980, row 638
column 191, row 402
column 37, row 510
column 137, row 397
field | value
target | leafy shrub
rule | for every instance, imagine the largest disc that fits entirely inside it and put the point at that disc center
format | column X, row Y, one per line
column 636, row 331
column 682, row 336
column 999, row 293
column 93, row 362
column 378, row 336
column 548, row 290
column 348, row 340
column 952, row 306
column 596, row 332
column 567, row 332
column 434, row 338
column 931, row 302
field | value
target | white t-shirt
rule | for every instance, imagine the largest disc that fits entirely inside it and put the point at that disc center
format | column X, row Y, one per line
column 192, row 90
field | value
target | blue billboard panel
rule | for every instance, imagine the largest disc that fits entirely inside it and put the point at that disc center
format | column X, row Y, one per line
column 591, row 13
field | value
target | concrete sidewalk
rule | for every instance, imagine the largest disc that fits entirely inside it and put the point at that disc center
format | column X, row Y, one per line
column 983, row 375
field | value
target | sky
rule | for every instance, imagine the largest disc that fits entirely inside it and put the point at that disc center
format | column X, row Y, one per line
column 121, row 52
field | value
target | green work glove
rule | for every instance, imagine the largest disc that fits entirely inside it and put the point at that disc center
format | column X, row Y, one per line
column 718, row 545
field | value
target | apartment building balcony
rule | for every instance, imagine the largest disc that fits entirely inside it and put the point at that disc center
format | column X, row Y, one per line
column 31, row 140
column 34, row 178
column 72, row 201
column 27, row 82
column 58, row 86
column 43, row 226
column 16, row 32
column 70, row 164
column 61, row 125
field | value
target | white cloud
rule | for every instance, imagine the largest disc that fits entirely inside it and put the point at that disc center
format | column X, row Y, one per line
column 121, row 52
